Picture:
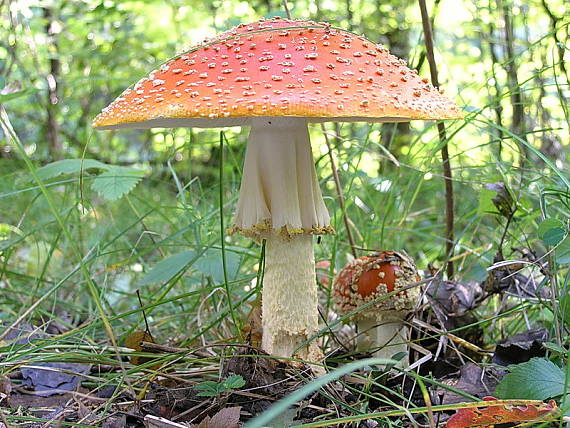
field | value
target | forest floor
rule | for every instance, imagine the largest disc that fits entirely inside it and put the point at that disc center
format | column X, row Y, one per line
column 224, row 384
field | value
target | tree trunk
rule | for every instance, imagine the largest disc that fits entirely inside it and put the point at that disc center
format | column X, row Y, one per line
column 52, row 126
column 518, row 123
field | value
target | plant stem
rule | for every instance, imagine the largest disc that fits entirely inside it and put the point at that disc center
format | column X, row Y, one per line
column 340, row 194
column 449, row 220
column 222, row 239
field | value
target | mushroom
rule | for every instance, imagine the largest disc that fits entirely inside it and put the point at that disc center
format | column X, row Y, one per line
column 380, row 325
column 276, row 76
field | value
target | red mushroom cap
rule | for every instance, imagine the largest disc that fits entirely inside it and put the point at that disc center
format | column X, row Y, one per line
column 278, row 67
column 322, row 269
column 366, row 278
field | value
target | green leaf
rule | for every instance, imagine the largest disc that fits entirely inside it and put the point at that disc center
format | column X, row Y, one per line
column 562, row 252
column 209, row 388
column 112, row 184
column 537, row 379
column 210, row 264
column 234, row 382
column 553, row 236
column 116, row 182
column 551, row 231
column 476, row 272
column 69, row 166
column 4, row 98
column 486, row 205
column 168, row 268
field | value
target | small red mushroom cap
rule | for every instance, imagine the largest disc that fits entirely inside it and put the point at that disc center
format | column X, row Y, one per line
column 367, row 278
column 322, row 269
column 278, row 67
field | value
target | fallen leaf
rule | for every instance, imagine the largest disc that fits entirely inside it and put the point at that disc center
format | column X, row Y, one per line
column 22, row 334
column 521, row 347
column 225, row 418
column 38, row 405
column 53, row 378
column 253, row 330
column 115, row 421
column 133, row 341
column 473, row 380
column 268, row 376
column 170, row 400
column 85, row 413
column 456, row 298
column 5, row 387
column 500, row 413
column 504, row 276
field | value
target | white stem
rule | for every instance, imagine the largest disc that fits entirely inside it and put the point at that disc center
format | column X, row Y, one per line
column 289, row 303
column 280, row 201
column 387, row 334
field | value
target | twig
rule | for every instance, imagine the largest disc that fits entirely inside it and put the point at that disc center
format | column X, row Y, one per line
column 518, row 119
column 428, row 39
column 144, row 315
column 286, row 7
column 340, row 194
column 422, row 57
column 4, row 420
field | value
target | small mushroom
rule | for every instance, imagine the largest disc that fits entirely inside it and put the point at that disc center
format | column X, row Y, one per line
column 381, row 326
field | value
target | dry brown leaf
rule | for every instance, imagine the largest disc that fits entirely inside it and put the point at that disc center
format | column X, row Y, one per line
column 5, row 389
column 115, row 421
column 253, row 328
column 225, row 418
column 133, row 341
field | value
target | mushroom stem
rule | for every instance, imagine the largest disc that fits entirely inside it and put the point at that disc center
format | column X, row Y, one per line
column 289, row 308
column 280, row 201
column 386, row 334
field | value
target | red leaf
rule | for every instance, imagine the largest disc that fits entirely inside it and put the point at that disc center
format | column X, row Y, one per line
column 504, row 411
